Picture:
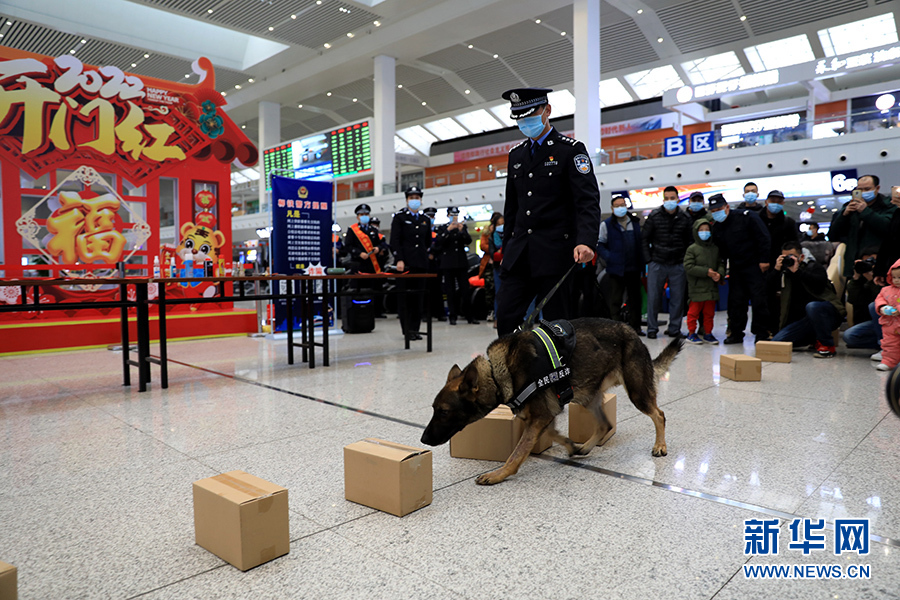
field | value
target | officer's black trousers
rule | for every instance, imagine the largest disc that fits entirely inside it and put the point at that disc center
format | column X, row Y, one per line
column 409, row 305
column 747, row 284
column 519, row 288
column 456, row 286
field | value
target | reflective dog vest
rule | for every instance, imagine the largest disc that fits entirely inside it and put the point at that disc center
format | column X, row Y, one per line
column 555, row 341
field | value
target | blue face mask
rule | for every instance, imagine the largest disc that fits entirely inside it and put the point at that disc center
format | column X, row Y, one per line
column 620, row 211
column 704, row 235
column 775, row 208
column 868, row 196
column 670, row 205
column 531, row 126
column 499, row 228
column 363, row 219
column 696, row 206
column 750, row 197
column 414, row 205
column 810, row 232
column 719, row 215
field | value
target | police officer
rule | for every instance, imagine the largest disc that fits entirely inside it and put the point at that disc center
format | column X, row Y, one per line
column 551, row 214
column 450, row 246
column 364, row 243
column 434, row 286
column 410, row 242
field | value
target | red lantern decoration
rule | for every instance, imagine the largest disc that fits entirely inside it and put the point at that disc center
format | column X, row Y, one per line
column 205, row 199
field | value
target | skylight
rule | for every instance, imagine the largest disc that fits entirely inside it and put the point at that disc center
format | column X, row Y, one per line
column 446, row 129
column 859, row 35
column 714, row 68
column 612, row 92
column 401, row 147
column 562, row 103
column 418, row 137
column 652, row 83
column 251, row 174
column 478, row 121
column 502, row 113
column 780, row 53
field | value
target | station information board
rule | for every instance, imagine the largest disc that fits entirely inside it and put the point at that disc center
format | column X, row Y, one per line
column 350, row 149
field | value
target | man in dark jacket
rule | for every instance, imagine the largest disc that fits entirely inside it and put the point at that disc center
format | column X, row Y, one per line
column 696, row 207
column 744, row 242
column 450, row 245
column 620, row 248
column 810, row 308
column 781, row 229
column 751, row 199
column 889, row 252
column 551, row 213
column 862, row 222
column 410, row 242
column 861, row 293
column 666, row 236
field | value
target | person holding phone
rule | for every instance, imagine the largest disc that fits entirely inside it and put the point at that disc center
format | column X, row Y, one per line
column 863, row 222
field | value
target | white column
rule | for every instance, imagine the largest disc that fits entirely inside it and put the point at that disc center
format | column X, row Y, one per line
column 385, row 125
column 269, row 135
column 586, row 34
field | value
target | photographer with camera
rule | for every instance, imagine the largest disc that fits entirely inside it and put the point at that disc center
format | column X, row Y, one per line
column 810, row 308
column 861, row 293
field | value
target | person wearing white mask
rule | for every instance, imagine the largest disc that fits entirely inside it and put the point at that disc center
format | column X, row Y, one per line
column 666, row 237
column 863, row 222
column 410, row 242
column 751, row 199
column 781, row 229
column 620, row 248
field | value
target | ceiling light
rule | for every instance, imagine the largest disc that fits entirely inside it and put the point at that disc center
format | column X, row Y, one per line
column 1, row 35
column 468, row 91
column 660, row 40
column 496, row 56
column 209, row 12
column 328, row 94
column 243, row 127
column 743, row 17
column 327, row 45
column 354, row 100
column 377, row 23
column 640, row 11
column 562, row 33
column 350, row 34
column 885, row 102
column 224, row 93
column 72, row 51
column 250, row 80
column 146, row 56
column 293, row 16
column 538, row 21
column 188, row 75
column 299, row 106
column 84, row 41
column 423, row 104
column 318, row 1
column 133, row 64
column 400, row 86
column 237, row 87
column 470, row 46
column 271, row 29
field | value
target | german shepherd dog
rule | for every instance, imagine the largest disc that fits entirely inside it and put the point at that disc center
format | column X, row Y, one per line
column 607, row 353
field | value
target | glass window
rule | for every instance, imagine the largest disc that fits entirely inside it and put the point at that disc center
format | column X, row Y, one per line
column 129, row 190
column 446, row 129
column 402, row 147
column 780, row 53
column 562, row 103
column 251, row 174
column 478, row 121
column 418, row 137
column 859, row 35
column 27, row 182
column 653, row 82
column 714, row 68
column 168, row 201
column 612, row 93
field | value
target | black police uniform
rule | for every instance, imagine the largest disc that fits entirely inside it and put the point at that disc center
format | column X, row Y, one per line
column 450, row 250
column 355, row 248
column 552, row 205
column 410, row 242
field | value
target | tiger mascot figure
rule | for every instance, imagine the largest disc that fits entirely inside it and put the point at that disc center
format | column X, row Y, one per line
column 198, row 242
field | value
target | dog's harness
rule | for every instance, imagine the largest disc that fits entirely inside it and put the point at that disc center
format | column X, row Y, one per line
column 555, row 341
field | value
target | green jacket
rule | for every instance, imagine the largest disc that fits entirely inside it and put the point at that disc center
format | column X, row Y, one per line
column 862, row 230
column 699, row 258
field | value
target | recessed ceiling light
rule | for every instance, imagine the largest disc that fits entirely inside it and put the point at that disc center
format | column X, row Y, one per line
column 470, row 46
column 377, row 23
column 224, row 93
column 318, row 1
column 209, row 12
column 640, row 11
column 327, row 45
column 299, row 106
column 146, row 56
column 250, row 80
column 350, row 34
column 84, row 41
column 328, row 94
column 271, row 29
column 188, row 75
column 468, row 91
column 133, row 64
column 496, row 56
column 743, row 17
column 355, row 100
column 538, row 21
column 660, row 40
column 562, row 33
column 293, row 16
column 423, row 104
column 400, row 86
column 1, row 35
column 243, row 127
column 72, row 51
column 237, row 87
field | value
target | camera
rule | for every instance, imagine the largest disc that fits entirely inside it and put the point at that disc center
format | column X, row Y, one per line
column 788, row 261
column 864, row 266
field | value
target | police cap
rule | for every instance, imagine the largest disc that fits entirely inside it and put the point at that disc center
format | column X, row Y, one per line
column 430, row 212
column 363, row 208
column 414, row 190
column 524, row 101
column 453, row 210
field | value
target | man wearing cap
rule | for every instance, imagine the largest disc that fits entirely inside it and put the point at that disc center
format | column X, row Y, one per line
column 781, row 229
column 551, row 214
column 450, row 246
column 410, row 241
column 744, row 241
column 696, row 209
column 363, row 243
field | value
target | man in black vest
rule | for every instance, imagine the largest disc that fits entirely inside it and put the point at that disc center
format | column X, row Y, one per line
column 551, row 214
column 410, row 241
column 450, row 245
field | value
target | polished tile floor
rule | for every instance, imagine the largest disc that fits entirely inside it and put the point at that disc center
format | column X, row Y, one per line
column 95, row 479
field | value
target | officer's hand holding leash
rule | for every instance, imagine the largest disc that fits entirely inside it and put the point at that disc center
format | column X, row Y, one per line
column 583, row 254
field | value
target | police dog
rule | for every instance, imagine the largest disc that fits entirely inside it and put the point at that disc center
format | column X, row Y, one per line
column 607, row 353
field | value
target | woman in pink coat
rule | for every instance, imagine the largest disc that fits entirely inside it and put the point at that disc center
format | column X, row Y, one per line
column 887, row 305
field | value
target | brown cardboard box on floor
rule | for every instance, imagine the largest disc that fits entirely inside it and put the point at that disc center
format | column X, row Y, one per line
column 9, row 583
column 390, row 477
column 582, row 421
column 780, row 352
column 740, row 367
column 241, row 519
column 494, row 437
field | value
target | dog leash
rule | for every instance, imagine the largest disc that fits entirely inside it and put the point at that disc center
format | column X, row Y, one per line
column 529, row 320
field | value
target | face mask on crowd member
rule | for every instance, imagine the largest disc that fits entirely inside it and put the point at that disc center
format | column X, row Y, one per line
column 869, row 186
column 363, row 219
column 534, row 126
column 695, row 202
column 751, row 193
column 704, row 233
column 619, row 206
column 775, row 202
column 670, row 199
column 718, row 208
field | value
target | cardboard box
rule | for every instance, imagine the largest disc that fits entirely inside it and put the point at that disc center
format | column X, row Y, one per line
column 391, row 477
column 740, row 367
column 241, row 519
column 9, row 582
column 494, row 437
column 779, row 352
column 582, row 422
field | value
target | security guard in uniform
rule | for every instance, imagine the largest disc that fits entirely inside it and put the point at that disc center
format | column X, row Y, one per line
column 551, row 215
column 363, row 243
column 450, row 246
column 410, row 242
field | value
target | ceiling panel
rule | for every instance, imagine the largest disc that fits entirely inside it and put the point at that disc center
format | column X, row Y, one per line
column 294, row 130
column 516, row 38
column 624, row 46
column 490, row 79
column 363, row 89
column 410, row 109
column 769, row 16
column 440, row 95
column 35, row 38
column 455, row 58
column 188, row 7
column 406, row 75
column 355, row 112
column 329, row 102
column 699, row 25
column 325, row 23
column 321, row 123
column 545, row 65
column 561, row 18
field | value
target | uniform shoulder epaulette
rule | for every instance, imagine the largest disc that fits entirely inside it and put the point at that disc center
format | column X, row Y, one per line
column 567, row 139
column 517, row 146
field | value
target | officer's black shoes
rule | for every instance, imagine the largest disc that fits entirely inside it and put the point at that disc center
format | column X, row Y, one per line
column 474, row 322
column 651, row 335
column 733, row 339
column 413, row 336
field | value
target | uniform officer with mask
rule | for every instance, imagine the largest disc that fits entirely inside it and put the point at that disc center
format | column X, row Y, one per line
column 551, row 214
column 363, row 243
column 410, row 242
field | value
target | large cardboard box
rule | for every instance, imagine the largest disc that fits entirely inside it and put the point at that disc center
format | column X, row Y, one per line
column 582, row 422
column 740, row 367
column 241, row 519
column 391, row 477
column 9, row 583
column 780, row 352
column 494, row 437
